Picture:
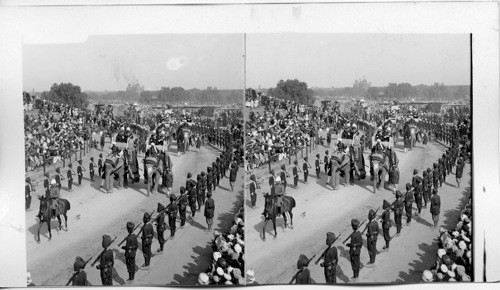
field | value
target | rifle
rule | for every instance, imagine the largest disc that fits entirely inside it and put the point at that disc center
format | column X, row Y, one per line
column 145, row 224
column 295, row 276
column 392, row 204
column 129, row 234
column 352, row 233
column 74, row 275
column 98, row 257
column 368, row 224
column 324, row 252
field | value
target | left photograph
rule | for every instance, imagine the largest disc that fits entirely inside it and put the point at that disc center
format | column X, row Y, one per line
column 133, row 157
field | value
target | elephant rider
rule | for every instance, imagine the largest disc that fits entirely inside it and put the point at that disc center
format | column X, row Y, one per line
column 277, row 192
column 379, row 148
column 54, row 196
column 152, row 151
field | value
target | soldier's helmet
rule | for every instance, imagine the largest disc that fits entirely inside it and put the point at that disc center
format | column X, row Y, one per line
column 130, row 226
column 398, row 194
column 172, row 197
column 354, row 224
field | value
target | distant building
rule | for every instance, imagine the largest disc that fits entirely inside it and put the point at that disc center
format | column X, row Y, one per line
column 133, row 91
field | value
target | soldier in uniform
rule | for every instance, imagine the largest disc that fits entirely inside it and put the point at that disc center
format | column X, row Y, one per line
column 295, row 172
column 169, row 180
column 46, row 184
column 172, row 215
column 435, row 175
column 283, row 175
column 386, row 224
column 305, row 168
column 253, row 187
column 130, row 248
column 191, row 192
column 182, row 204
column 58, row 177
column 330, row 260
column 27, row 193
column 106, row 262
column 209, row 211
column 160, row 226
column 204, row 187
column 232, row 176
column 326, row 160
column 80, row 276
column 215, row 168
column 79, row 171
column 304, row 275
column 92, row 168
column 271, row 178
column 317, row 163
column 425, row 188
column 209, row 179
column 371, row 237
column 147, row 239
column 54, row 193
column 408, row 203
column 199, row 191
column 70, row 174
column 100, row 164
column 435, row 207
column 418, row 191
column 355, row 249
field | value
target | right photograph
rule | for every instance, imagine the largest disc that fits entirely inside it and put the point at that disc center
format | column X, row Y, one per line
column 358, row 158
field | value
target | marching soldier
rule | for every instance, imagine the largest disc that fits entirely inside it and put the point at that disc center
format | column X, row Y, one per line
column 209, row 179
column 100, row 164
column 147, row 238
column 317, row 163
column 169, row 180
column 435, row 175
column 418, row 190
column 172, row 215
column 69, row 175
column 130, row 248
column 408, row 204
column 209, row 211
column 305, row 168
column 215, row 168
column 326, row 160
column 46, row 184
column 355, row 249
column 253, row 187
column 295, row 172
column 283, row 176
column 199, row 191
column 271, row 178
column 80, row 276
column 191, row 192
column 204, row 187
column 425, row 188
column 106, row 262
column 27, row 193
column 79, row 171
column 435, row 207
column 386, row 224
column 91, row 169
column 182, row 204
column 371, row 238
column 330, row 260
column 304, row 275
column 160, row 226
column 58, row 177
column 232, row 176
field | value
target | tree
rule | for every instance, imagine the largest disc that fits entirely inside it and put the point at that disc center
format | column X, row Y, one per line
column 68, row 94
column 293, row 90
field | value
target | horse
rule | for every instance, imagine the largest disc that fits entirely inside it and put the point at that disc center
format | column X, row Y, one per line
column 45, row 214
column 270, row 212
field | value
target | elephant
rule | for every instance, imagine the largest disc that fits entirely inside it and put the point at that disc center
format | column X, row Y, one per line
column 380, row 168
column 151, row 165
column 409, row 133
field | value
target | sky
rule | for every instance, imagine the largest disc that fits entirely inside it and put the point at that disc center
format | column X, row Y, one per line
column 337, row 60
column 111, row 62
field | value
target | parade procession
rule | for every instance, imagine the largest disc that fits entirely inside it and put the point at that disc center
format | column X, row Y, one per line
column 295, row 170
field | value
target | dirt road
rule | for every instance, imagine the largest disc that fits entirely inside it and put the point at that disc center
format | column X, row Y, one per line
column 320, row 209
column 94, row 213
